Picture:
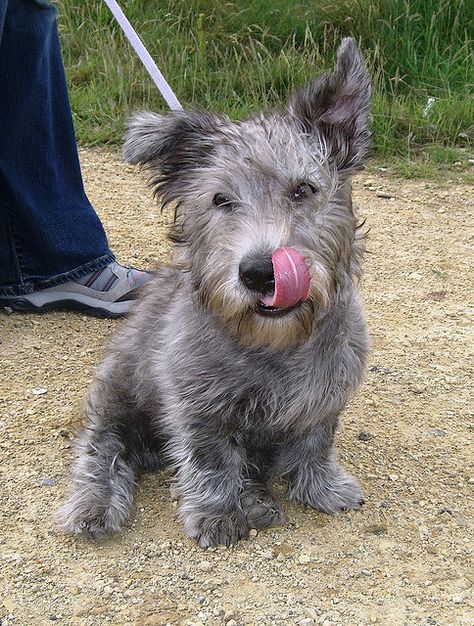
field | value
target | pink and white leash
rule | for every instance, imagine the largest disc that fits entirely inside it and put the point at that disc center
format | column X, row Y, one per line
column 145, row 57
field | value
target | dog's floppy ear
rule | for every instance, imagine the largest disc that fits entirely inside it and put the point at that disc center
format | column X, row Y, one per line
column 171, row 146
column 336, row 108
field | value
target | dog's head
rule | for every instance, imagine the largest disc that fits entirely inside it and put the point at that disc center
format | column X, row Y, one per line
column 264, row 220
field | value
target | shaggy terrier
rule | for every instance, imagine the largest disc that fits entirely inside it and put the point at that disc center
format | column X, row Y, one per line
column 242, row 353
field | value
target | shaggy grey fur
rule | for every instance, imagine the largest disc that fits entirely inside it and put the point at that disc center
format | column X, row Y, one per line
column 198, row 376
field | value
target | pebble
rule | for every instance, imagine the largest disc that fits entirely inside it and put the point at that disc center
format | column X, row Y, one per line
column 384, row 194
column 48, row 482
column 39, row 391
column 205, row 566
column 306, row 621
column 304, row 559
column 229, row 614
column 253, row 533
column 364, row 435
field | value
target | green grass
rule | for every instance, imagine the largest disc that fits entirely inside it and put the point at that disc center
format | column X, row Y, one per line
column 238, row 57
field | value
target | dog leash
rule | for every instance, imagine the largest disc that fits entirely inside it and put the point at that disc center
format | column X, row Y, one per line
column 145, row 57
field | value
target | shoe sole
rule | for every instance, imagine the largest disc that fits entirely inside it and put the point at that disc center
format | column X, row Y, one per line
column 23, row 305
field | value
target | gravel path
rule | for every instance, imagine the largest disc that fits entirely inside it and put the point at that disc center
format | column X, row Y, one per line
column 405, row 559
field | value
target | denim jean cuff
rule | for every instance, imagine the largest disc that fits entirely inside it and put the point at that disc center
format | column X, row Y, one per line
column 78, row 272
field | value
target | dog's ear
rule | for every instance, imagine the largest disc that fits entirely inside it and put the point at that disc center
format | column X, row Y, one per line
column 171, row 146
column 335, row 108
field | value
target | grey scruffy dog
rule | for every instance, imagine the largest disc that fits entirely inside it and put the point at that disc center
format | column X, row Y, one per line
column 242, row 353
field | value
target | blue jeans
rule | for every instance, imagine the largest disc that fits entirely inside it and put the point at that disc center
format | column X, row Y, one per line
column 49, row 231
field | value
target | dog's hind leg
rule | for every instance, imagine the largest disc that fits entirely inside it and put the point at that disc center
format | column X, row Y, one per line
column 316, row 479
column 114, row 447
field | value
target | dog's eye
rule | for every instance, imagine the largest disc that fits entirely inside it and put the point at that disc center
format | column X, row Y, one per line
column 221, row 200
column 303, row 190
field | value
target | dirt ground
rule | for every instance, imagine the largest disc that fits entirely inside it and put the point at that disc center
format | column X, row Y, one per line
column 404, row 559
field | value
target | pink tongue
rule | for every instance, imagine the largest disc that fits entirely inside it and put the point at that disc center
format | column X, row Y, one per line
column 291, row 279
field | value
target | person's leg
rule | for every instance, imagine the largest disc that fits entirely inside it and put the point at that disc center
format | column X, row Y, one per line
column 49, row 232
column 49, row 227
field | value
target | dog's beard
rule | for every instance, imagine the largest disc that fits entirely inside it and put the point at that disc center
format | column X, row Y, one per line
column 238, row 311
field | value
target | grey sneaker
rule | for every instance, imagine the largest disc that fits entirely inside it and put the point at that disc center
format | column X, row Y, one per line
column 108, row 292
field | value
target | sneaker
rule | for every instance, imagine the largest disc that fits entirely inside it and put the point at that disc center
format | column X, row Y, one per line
column 108, row 292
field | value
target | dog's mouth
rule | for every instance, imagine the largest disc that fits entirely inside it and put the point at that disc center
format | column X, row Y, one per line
column 291, row 284
column 275, row 311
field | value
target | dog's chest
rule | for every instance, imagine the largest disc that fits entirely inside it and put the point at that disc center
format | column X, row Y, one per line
column 278, row 400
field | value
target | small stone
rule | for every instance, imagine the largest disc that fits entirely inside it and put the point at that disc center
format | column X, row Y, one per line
column 253, row 533
column 304, row 559
column 39, row 391
column 437, row 432
column 364, row 435
column 373, row 618
column 48, row 482
column 232, row 622
column 306, row 621
column 384, row 194
column 267, row 554
column 229, row 613
column 311, row 612
column 205, row 566
column 393, row 476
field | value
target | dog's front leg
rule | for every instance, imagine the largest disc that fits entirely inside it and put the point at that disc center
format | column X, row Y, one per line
column 209, row 482
column 316, row 479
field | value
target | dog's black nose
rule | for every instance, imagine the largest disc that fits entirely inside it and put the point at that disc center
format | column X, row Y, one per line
column 257, row 274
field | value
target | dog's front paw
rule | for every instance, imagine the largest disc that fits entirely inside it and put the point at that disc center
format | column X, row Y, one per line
column 261, row 509
column 85, row 517
column 330, row 490
column 213, row 530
